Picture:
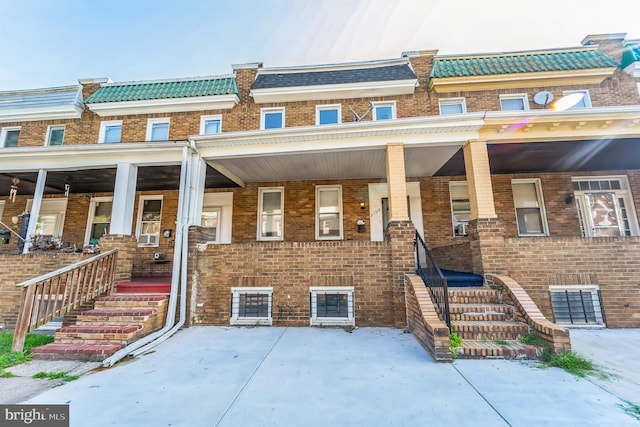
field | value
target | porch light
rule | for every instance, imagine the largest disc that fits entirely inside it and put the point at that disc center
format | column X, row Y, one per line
column 569, row 199
column 361, row 205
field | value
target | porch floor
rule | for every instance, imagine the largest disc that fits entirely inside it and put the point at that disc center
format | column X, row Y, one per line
column 156, row 284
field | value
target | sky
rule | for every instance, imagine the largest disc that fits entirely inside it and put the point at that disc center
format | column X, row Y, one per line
column 47, row 43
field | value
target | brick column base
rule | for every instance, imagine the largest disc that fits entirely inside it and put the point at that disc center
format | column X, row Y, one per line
column 401, row 234
column 487, row 245
column 127, row 247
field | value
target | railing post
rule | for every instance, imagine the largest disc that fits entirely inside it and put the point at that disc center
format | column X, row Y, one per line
column 24, row 319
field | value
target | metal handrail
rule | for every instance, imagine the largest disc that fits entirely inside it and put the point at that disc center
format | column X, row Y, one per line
column 61, row 291
column 434, row 280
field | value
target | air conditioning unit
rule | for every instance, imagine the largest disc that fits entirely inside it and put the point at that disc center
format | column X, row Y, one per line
column 148, row 239
column 461, row 229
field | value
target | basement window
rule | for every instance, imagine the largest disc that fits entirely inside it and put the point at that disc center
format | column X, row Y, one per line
column 332, row 306
column 576, row 305
column 251, row 306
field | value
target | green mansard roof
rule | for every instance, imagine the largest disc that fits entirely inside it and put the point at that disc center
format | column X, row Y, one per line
column 143, row 91
column 630, row 54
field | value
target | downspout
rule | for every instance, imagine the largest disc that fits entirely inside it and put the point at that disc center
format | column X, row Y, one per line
column 180, row 263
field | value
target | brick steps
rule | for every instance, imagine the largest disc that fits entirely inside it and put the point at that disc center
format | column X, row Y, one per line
column 76, row 351
column 474, row 296
column 482, row 312
column 489, row 330
column 491, row 350
column 118, row 334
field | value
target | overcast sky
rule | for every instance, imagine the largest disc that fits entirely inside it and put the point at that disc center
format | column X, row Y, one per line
column 46, row 43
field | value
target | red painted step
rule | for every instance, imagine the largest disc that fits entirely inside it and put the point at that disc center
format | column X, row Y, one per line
column 145, row 285
column 64, row 351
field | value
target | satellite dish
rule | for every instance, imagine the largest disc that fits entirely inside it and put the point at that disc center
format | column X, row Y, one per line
column 543, row 98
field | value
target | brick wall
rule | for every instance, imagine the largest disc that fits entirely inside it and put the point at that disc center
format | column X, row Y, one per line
column 457, row 256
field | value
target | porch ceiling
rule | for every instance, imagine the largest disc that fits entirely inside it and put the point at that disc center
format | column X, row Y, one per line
column 150, row 178
column 558, row 156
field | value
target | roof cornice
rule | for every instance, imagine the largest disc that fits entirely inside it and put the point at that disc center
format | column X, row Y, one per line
column 334, row 67
column 170, row 105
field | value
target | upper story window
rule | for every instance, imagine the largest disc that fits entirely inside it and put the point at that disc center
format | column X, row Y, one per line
column 530, row 215
column 210, row 125
column 328, row 114
column 515, row 102
column 384, row 110
column 576, row 99
column 452, row 106
column 158, row 129
column 271, row 213
column 328, row 212
column 55, row 135
column 9, row 136
column 460, row 207
column 149, row 216
column 110, row 131
column 272, row 118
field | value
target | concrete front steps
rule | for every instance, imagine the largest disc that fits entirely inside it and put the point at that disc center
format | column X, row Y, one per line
column 114, row 322
column 487, row 326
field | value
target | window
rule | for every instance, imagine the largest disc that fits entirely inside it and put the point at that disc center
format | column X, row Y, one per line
column 51, row 218
column 157, row 130
column 271, row 213
column 251, row 306
column 605, row 206
column 384, row 110
column 55, row 135
column 328, row 114
column 576, row 305
column 210, row 125
column 110, row 131
column 332, row 306
column 211, row 221
column 452, row 106
column 328, row 212
column 460, row 207
column 99, row 219
column 516, row 102
column 217, row 215
column 272, row 118
column 578, row 99
column 9, row 136
column 530, row 215
column 149, row 216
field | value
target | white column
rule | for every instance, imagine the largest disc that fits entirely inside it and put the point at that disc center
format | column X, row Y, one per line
column 35, row 209
column 124, row 197
column 198, row 189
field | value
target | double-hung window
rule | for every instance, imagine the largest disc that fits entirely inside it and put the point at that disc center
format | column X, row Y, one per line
column 460, row 207
column 328, row 114
column 271, row 213
column 328, row 212
column 99, row 219
column 9, row 136
column 452, row 106
column 158, row 129
column 575, row 99
column 332, row 306
column 515, row 102
column 530, row 214
column 149, row 216
column 272, row 118
column 251, row 306
column 384, row 110
column 55, row 135
column 110, row 131
column 210, row 125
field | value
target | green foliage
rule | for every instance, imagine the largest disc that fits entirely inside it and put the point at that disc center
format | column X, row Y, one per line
column 570, row 361
column 9, row 358
column 533, row 339
column 6, row 374
column 631, row 409
column 456, row 341
column 50, row 375
column 502, row 342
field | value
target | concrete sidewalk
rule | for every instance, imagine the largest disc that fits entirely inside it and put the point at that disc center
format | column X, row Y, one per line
column 218, row 376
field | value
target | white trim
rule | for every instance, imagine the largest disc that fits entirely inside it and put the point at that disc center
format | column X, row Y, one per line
column 459, row 226
column 329, row 107
column 47, row 141
column 3, row 134
column 1, row 210
column 382, row 104
column 320, row 188
column 597, row 308
column 225, row 223
column 522, row 96
column 539, row 200
column 205, row 119
column 378, row 191
column 174, row 105
column 235, row 306
column 151, row 122
column 261, row 191
column 264, row 111
column 332, row 321
column 55, row 206
column 103, row 130
column 358, row 65
column 633, row 69
column 92, row 213
column 141, row 201
column 453, row 101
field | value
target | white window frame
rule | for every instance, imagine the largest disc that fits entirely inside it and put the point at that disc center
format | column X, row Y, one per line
column 103, row 130
column 261, row 192
column 332, row 321
column 379, row 104
column 5, row 130
column 151, row 122
column 92, row 213
column 235, row 306
column 265, row 111
column 224, row 201
column 453, row 101
column 329, row 107
column 1, row 210
column 57, row 207
column 459, row 225
column 586, row 98
column 522, row 96
column 139, row 220
column 593, row 290
column 51, row 128
column 217, row 209
column 540, row 201
column 205, row 119
column 319, row 189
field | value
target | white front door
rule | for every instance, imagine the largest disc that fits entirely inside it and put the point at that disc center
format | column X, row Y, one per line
column 378, row 216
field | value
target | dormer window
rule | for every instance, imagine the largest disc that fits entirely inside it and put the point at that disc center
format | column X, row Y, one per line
column 452, row 106
column 516, row 102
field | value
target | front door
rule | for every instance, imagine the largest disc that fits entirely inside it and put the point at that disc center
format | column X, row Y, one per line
column 379, row 209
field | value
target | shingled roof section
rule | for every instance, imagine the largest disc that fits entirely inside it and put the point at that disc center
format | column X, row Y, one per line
column 143, row 91
column 630, row 54
column 41, row 98
column 334, row 77
column 515, row 63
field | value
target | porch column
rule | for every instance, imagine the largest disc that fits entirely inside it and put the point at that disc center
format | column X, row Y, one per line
column 35, row 209
column 124, row 197
column 476, row 162
column 397, row 182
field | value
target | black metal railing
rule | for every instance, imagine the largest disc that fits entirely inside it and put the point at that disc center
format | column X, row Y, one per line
column 427, row 268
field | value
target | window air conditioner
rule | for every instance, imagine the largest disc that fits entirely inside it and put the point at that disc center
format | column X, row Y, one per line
column 148, row 239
